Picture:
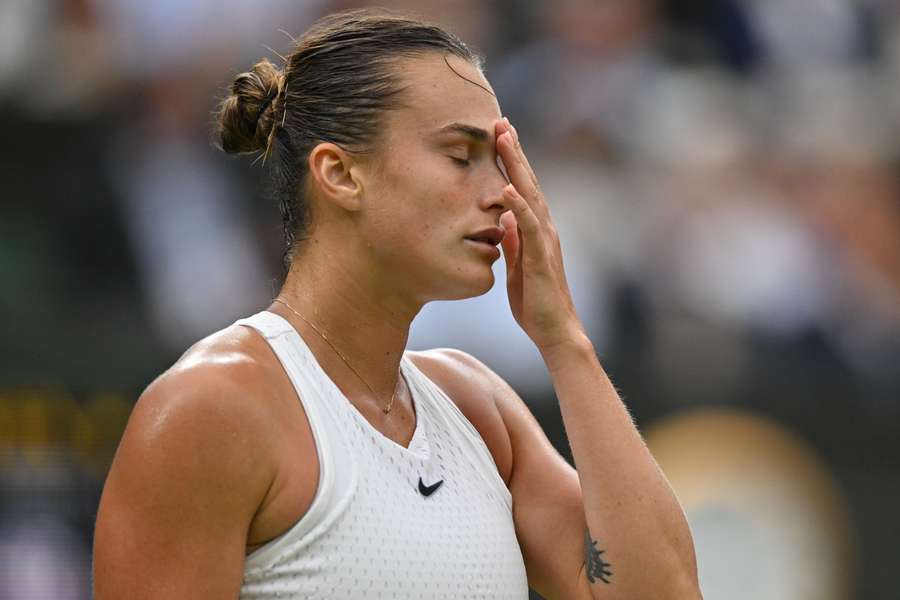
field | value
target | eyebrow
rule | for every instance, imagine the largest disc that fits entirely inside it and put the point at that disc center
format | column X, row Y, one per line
column 471, row 131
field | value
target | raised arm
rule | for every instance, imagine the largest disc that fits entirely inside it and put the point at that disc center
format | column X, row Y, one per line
column 191, row 470
column 618, row 507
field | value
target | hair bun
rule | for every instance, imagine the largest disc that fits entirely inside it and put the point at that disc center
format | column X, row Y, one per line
column 247, row 115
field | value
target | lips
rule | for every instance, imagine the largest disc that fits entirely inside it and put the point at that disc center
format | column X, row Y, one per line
column 491, row 235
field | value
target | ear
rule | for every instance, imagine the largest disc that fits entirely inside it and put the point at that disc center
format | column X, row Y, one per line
column 334, row 173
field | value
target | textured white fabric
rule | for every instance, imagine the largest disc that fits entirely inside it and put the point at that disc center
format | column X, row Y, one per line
column 369, row 532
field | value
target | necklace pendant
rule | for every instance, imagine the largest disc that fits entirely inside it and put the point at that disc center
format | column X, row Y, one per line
column 342, row 357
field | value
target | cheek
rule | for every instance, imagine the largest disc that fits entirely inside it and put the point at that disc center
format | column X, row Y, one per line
column 423, row 202
column 423, row 190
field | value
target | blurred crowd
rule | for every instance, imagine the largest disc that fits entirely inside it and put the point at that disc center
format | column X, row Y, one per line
column 723, row 175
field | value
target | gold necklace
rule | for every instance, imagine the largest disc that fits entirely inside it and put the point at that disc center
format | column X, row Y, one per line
column 346, row 362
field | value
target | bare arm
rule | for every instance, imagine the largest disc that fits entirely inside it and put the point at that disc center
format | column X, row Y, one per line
column 636, row 543
column 188, row 476
column 639, row 545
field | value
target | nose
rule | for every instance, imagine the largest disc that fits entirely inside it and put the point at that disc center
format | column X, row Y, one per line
column 492, row 198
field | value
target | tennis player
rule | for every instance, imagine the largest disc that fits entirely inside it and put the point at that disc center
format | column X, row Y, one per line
column 303, row 453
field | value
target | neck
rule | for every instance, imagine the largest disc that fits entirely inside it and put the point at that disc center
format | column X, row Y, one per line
column 366, row 323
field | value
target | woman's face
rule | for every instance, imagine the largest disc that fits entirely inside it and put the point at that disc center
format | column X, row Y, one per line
column 435, row 181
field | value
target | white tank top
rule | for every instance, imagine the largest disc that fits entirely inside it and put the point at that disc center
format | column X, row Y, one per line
column 433, row 520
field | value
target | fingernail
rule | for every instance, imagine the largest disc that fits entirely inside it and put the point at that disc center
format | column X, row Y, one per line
column 506, row 122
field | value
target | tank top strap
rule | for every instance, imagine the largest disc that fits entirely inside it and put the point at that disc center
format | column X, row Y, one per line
column 338, row 475
column 269, row 324
column 299, row 363
column 307, row 374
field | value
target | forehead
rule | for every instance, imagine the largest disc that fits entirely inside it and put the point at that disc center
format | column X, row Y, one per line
column 442, row 89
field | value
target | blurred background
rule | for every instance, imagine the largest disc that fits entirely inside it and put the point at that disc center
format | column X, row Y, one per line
column 724, row 176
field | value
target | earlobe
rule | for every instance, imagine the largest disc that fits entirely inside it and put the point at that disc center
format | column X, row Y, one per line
column 333, row 172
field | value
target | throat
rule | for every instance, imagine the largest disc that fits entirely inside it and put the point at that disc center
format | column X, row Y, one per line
column 399, row 425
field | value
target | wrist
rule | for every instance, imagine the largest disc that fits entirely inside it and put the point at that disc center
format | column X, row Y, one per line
column 573, row 345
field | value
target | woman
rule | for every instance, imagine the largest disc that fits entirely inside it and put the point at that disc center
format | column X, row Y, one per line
column 302, row 452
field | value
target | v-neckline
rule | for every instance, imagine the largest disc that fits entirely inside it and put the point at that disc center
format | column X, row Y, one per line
column 412, row 445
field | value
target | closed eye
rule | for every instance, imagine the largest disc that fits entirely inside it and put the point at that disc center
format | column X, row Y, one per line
column 460, row 161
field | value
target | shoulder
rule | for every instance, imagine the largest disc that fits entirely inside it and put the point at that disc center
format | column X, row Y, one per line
column 477, row 391
column 216, row 404
column 447, row 361
column 237, row 349
column 227, row 374
column 196, row 461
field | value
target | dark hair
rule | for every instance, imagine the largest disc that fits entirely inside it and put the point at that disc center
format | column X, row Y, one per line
column 338, row 81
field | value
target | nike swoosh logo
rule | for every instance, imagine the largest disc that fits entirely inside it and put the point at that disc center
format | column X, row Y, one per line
column 427, row 490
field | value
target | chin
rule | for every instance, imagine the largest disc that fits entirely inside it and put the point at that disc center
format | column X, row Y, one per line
column 461, row 287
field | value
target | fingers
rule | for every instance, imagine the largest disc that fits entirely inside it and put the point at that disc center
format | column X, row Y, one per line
column 517, row 167
column 527, row 221
column 511, row 242
column 520, row 152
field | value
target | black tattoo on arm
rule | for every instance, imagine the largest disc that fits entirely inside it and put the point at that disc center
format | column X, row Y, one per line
column 597, row 568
